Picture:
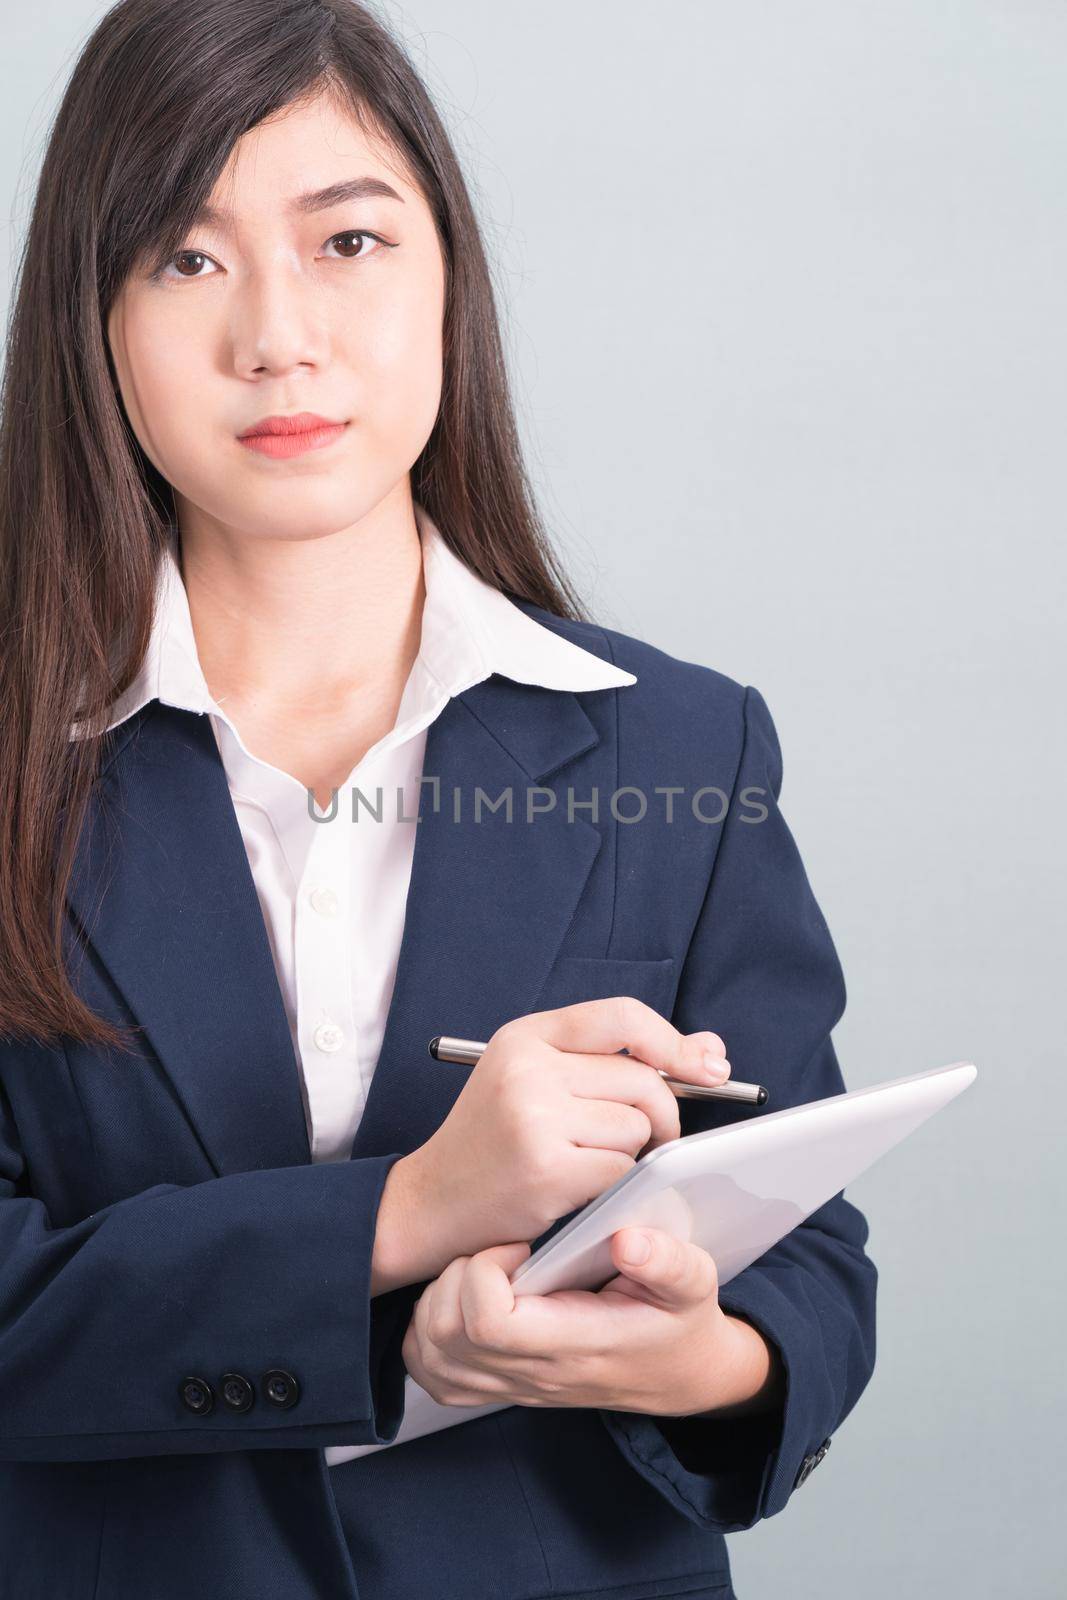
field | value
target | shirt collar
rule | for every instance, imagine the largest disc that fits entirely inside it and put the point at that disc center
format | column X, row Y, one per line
column 469, row 631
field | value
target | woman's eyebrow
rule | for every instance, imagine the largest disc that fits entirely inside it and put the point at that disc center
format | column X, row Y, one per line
column 337, row 193
column 334, row 194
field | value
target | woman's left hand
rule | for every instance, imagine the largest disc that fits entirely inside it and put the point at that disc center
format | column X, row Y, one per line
column 654, row 1339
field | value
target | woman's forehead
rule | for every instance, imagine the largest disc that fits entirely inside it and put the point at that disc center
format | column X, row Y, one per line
column 296, row 156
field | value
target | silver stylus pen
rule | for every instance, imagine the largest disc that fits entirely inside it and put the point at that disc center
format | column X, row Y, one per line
column 465, row 1053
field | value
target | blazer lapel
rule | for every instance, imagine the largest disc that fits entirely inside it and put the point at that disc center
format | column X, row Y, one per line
column 489, row 901
column 163, row 892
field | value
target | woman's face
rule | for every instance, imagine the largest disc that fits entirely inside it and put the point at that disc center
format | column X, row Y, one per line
column 287, row 298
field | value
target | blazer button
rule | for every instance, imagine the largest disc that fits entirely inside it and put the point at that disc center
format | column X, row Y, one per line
column 809, row 1463
column 237, row 1393
column 280, row 1388
column 197, row 1395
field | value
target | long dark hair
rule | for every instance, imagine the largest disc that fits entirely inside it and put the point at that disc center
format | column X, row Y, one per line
column 158, row 97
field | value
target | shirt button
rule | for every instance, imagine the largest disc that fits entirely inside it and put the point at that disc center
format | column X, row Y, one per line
column 325, row 902
column 328, row 1036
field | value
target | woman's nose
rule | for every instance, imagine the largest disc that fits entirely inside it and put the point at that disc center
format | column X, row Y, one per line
column 276, row 326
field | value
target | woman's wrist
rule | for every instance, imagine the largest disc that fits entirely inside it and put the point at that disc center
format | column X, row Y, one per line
column 751, row 1379
column 406, row 1249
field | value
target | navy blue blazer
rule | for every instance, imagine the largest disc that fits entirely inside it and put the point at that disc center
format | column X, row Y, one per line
column 161, row 1220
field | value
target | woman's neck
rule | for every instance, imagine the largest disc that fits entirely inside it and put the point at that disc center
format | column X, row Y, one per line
column 307, row 644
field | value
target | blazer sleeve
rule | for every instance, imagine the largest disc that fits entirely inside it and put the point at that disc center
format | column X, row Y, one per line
column 762, row 972
column 101, row 1322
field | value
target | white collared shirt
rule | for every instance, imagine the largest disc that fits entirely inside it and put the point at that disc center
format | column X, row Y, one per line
column 333, row 893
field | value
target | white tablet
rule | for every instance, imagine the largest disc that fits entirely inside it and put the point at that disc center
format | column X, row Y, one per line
column 735, row 1191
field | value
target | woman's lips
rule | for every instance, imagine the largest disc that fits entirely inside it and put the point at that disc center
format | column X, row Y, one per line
column 283, row 445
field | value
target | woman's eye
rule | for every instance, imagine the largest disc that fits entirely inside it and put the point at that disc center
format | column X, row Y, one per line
column 187, row 264
column 351, row 245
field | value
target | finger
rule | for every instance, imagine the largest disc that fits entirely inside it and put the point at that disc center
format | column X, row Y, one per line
column 608, row 1125
column 679, row 1272
column 486, row 1298
column 626, row 1023
column 442, row 1319
column 594, row 1077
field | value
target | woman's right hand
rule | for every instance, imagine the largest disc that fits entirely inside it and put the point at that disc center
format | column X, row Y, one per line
column 549, row 1118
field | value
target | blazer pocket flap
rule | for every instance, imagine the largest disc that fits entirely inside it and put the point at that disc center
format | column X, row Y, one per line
column 575, row 978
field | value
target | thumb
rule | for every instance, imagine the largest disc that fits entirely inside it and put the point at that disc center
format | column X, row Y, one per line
column 677, row 1271
column 506, row 1256
column 484, row 1288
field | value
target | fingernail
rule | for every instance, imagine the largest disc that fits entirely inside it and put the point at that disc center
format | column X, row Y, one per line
column 716, row 1067
column 637, row 1249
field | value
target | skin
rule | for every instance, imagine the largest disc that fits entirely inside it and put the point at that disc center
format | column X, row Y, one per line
column 304, row 576
column 654, row 1338
column 305, row 588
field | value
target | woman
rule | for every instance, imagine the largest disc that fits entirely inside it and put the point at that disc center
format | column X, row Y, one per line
column 267, row 541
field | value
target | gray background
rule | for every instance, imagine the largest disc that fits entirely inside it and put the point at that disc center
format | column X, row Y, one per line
column 783, row 288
